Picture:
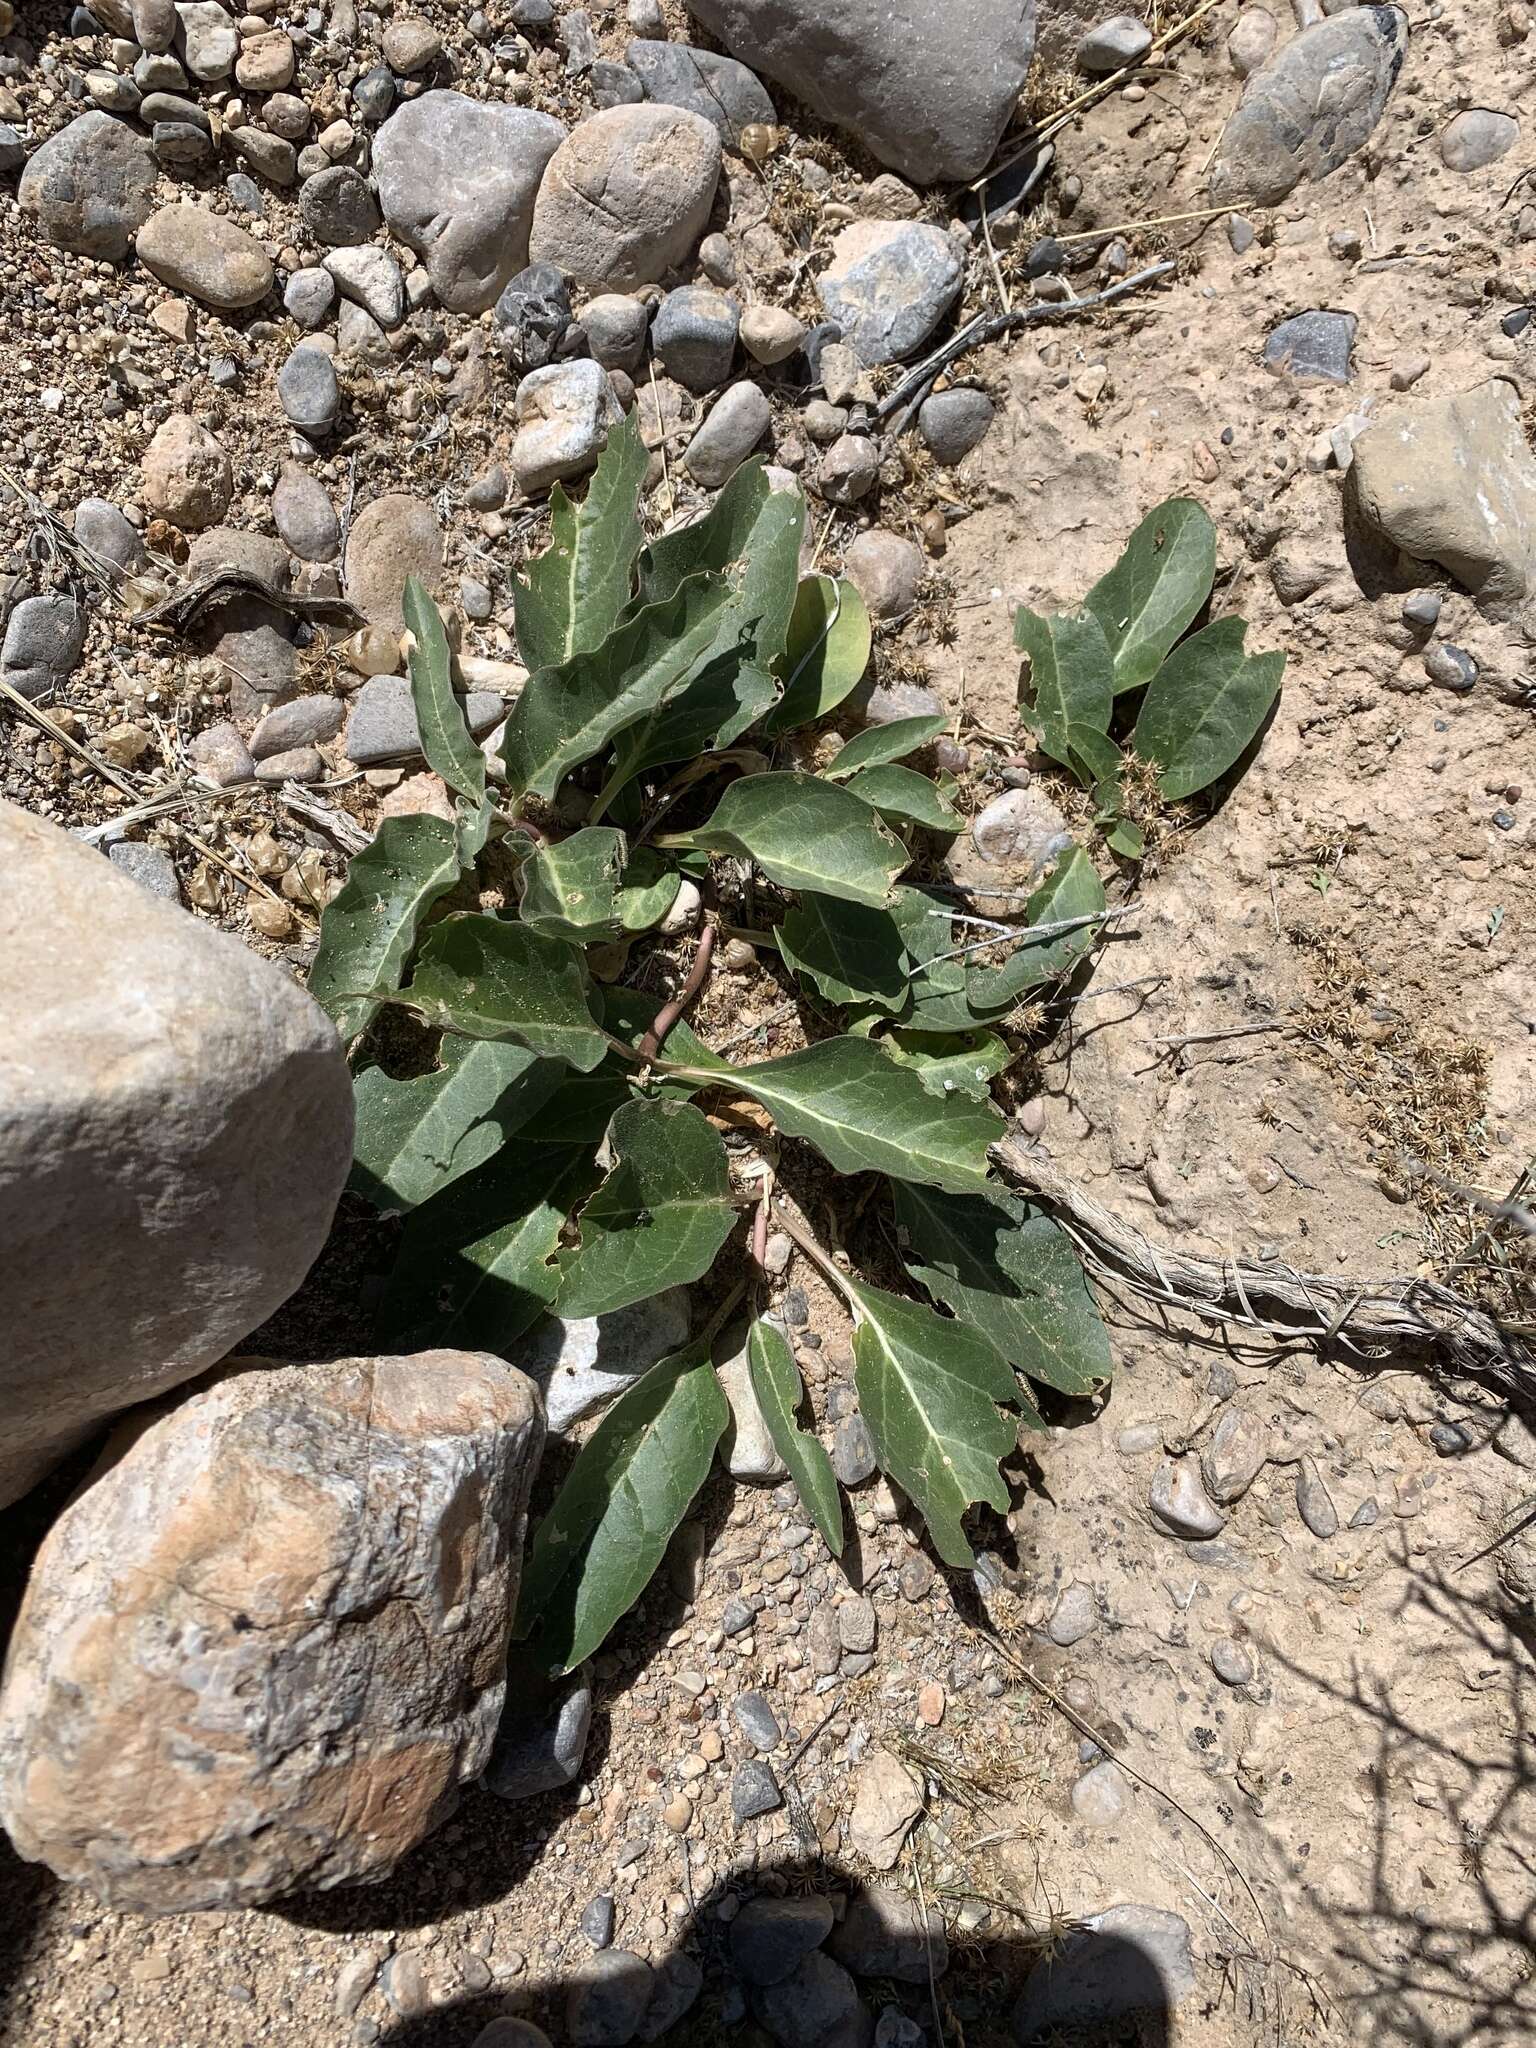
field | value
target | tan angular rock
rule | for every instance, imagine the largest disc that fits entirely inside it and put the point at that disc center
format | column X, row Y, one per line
column 177, row 1126
column 625, row 197
column 187, row 475
column 886, row 1802
column 1452, row 480
column 265, row 1645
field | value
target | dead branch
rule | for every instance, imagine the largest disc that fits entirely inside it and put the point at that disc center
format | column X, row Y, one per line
column 1369, row 1318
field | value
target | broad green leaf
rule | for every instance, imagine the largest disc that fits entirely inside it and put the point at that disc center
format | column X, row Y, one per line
column 415, row 1136
column 581, row 1108
column 368, row 930
column 902, row 796
column 1126, row 839
column 1156, row 588
column 608, row 1528
column 1095, row 758
column 575, row 591
column 727, row 695
column 630, row 1012
column 806, row 834
column 776, row 1383
column 485, row 978
column 1008, row 1272
column 567, row 714
column 1072, row 890
column 929, row 1391
column 938, row 1001
column 969, row 1061
column 446, row 740
column 1071, row 682
column 851, row 953
column 864, row 1113
column 829, row 641
column 1204, row 706
column 659, row 1218
column 880, row 743
column 475, row 1267
column 752, row 532
column 570, row 887
column 647, row 891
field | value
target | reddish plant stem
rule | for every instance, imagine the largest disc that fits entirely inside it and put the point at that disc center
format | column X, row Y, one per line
column 669, row 1013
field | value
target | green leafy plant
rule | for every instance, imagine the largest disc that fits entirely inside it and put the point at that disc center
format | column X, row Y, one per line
column 1198, row 703
column 574, row 1144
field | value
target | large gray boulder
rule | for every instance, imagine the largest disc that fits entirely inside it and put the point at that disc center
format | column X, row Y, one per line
column 265, row 1645
column 91, row 186
column 626, row 196
column 175, row 1129
column 457, row 180
column 927, row 85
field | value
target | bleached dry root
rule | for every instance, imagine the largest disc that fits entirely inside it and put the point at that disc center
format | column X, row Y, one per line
column 1367, row 1319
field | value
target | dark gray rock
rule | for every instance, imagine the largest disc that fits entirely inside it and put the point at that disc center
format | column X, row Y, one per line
column 13, row 150
column 304, row 516
column 953, row 422
column 719, row 88
column 308, row 391
column 150, row 866
column 754, row 1790
column 301, row 722
column 44, row 637
column 927, row 85
column 886, row 1934
column 888, row 285
column 771, row 1937
column 1125, row 1960
column 102, row 528
column 597, row 1920
column 382, row 728
column 736, row 422
column 615, row 327
column 1314, row 1503
column 758, row 1722
column 374, row 93
column 853, row 1451
column 1113, row 44
column 338, row 206
column 1311, row 106
column 1312, row 348
column 812, row 2002
column 180, row 143
column 542, row 1737
column 614, row 85
column 694, row 336
column 607, row 1999
column 676, row 1983
column 172, row 106
column 90, row 188
column 532, row 315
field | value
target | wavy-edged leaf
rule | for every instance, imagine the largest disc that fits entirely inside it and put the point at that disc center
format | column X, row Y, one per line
column 777, row 1385
column 806, row 834
column 415, row 1136
column 929, row 1391
column 1071, row 683
column 570, row 887
column 851, row 953
column 878, row 744
column 608, row 1528
column 1156, row 588
column 904, row 797
column 483, row 977
column 725, row 696
column 474, row 1267
column 751, row 531
column 1204, row 706
column 865, row 1114
column 450, row 748
column 647, row 890
column 659, row 1218
column 1008, row 1271
column 567, row 714
column 368, row 930
column 827, row 652
column 1072, row 890
column 943, row 1062
column 574, row 591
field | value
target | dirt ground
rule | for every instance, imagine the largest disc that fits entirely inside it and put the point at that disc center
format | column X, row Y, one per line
column 1347, row 1819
